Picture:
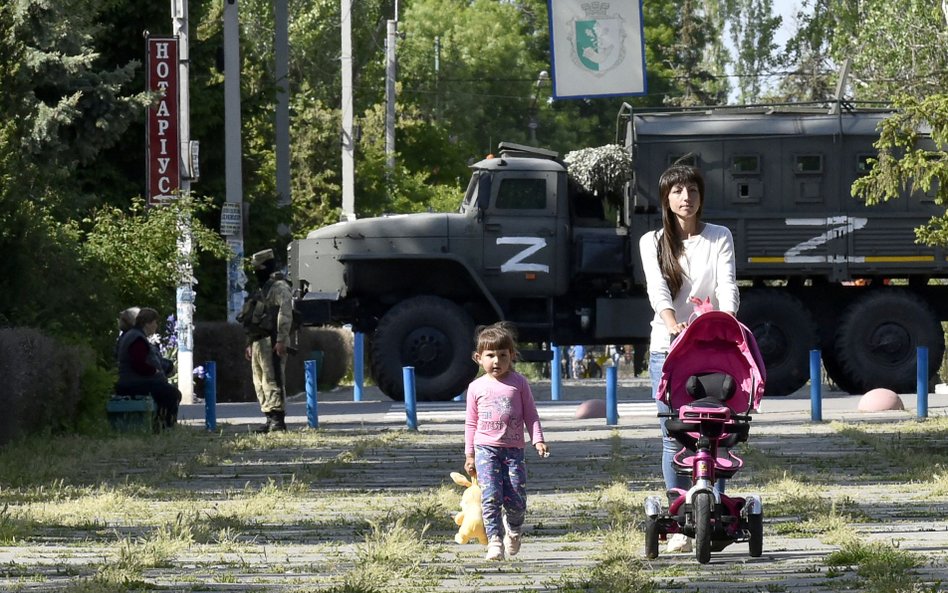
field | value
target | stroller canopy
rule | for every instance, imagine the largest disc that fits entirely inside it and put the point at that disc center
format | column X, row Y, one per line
column 715, row 342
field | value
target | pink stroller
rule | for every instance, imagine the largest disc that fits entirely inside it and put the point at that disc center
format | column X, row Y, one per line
column 712, row 378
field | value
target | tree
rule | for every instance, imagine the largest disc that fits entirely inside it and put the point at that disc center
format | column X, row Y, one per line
column 899, row 47
column 806, row 57
column 902, row 59
column 694, row 54
column 73, row 106
column 139, row 245
column 903, row 164
column 753, row 26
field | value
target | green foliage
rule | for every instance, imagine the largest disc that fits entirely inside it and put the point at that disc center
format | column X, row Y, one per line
column 903, row 165
column 895, row 47
column 753, row 28
column 401, row 189
column 140, row 246
column 41, row 383
column 95, row 387
column 45, row 280
column 485, row 83
column 73, row 106
column 898, row 47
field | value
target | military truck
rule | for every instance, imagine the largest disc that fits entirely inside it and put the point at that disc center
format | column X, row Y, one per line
column 817, row 267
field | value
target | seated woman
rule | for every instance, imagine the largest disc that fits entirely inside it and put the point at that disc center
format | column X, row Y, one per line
column 141, row 369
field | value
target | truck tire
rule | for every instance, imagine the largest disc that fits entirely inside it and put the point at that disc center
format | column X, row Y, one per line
column 785, row 333
column 835, row 371
column 431, row 334
column 877, row 338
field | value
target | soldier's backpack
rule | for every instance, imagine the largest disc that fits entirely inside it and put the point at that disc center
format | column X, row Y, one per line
column 258, row 319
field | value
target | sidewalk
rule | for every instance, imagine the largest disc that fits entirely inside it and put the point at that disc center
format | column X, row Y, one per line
column 337, row 407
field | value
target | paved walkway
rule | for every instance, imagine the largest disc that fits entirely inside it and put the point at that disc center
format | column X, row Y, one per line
column 633, row 399
column 587, row 454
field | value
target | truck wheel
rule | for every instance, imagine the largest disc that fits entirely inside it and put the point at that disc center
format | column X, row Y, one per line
column 431, row 334
column 835, row 371
column 785, row 333
column 877, row 338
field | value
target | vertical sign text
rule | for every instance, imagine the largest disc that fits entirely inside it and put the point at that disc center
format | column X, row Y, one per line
column 163, row 148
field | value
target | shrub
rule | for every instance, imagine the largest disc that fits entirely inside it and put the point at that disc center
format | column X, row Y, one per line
column 336, row 346
column 224, row 343
column 96, row 385
column 41, row 382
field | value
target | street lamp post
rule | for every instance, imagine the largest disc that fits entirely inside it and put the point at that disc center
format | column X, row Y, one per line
column 541, row 77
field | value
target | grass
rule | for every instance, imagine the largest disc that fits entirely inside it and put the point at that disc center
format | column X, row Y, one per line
column 619, row 568
column 371, row 511
column 881, row 567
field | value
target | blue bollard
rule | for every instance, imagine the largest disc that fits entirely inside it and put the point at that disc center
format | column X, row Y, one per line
column 612, row 406
column 556, row 380
column 922, row 382
column 358, row 365
column 408, row 379
column 312, row 402
column 210, row 395
column 816, row 387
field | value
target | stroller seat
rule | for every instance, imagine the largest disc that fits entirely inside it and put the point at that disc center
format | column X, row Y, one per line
column 708, row 415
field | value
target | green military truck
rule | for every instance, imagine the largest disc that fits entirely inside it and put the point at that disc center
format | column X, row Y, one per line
column 817, row 267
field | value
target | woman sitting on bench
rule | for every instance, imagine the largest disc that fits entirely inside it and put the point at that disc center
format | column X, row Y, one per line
column 142, row 369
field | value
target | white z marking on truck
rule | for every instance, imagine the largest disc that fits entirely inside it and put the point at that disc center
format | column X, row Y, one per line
column 842, row 225
column 516, row 263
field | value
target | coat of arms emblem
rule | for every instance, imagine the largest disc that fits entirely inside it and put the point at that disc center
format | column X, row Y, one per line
column 598, row 38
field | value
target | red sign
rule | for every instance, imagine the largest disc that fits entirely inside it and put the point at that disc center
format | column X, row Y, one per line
column 163, row 147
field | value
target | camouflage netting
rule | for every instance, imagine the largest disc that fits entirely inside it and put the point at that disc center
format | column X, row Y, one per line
column 603, row 170
column 224, row 343
column 41, row 383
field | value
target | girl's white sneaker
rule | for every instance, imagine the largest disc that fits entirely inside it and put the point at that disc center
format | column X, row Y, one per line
column 678, row 542
column 512, row 543
column 495, row 549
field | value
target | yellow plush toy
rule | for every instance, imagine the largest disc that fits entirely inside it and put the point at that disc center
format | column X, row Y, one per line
column 470, row 520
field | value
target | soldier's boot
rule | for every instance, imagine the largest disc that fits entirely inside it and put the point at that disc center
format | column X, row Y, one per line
column 265, row 428
column 278, row 422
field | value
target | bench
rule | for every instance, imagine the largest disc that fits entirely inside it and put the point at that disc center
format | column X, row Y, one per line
column 132, row 413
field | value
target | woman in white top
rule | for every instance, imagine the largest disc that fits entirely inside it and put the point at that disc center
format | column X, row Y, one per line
column 686, row 258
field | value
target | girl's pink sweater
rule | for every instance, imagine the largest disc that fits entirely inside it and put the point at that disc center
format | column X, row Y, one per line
column 498, row 412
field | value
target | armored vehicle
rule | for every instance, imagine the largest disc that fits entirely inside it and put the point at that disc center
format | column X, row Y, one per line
column 817, row 267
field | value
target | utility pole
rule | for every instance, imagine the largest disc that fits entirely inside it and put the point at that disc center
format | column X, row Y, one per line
column 184, row 294
column 348, row 141
column 282, row 71
column 232, row 218
column 437, row 69
column 390, row 74
column 534, row 122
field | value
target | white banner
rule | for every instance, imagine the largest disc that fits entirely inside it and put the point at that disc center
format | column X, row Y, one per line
column 597, row 47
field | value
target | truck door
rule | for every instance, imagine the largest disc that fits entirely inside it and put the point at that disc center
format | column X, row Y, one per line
column 522, row 240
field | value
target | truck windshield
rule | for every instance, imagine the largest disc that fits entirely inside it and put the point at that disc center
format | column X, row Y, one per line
column 470, row 196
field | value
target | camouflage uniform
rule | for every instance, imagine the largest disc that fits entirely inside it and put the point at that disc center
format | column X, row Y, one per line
column 268, row 368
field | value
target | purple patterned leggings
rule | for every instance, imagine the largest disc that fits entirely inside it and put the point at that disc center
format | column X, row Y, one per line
column 502, row 476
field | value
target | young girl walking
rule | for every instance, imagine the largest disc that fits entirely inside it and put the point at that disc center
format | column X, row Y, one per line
column 500, row 407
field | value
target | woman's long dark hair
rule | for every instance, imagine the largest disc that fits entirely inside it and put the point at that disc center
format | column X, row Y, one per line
column 670, row 246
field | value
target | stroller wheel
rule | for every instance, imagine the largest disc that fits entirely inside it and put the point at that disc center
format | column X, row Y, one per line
column 703, row 503
column 651, row 538
column 755, row 525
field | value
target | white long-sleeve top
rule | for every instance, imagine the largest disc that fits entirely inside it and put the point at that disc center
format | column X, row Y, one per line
column 709, row 272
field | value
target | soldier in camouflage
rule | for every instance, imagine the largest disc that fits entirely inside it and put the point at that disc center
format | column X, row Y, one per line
column 268, row 318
